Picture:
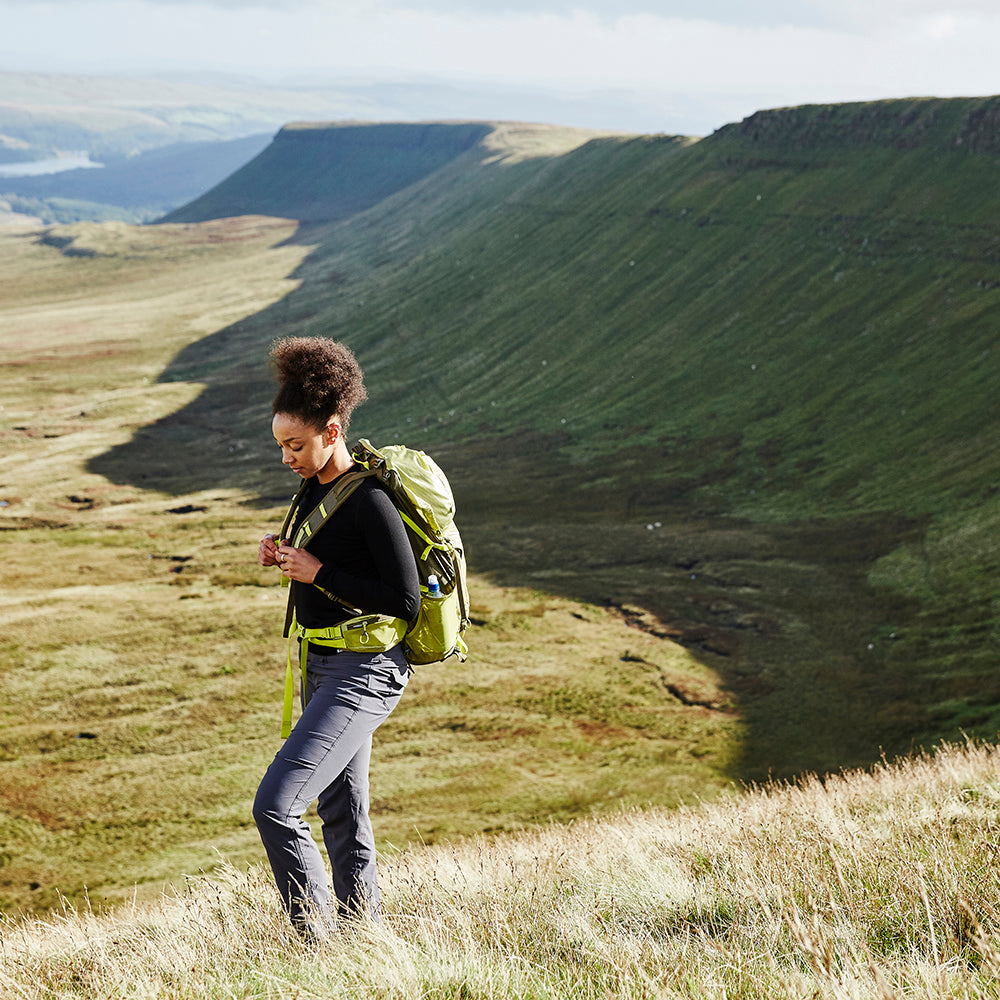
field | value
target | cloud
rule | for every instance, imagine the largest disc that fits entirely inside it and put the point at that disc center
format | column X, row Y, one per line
column 870, row 15
column 856, row 16
column 811, row 13
column 812, row 51
column 737, row 12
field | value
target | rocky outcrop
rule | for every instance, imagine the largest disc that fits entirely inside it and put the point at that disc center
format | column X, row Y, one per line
column 937, row 123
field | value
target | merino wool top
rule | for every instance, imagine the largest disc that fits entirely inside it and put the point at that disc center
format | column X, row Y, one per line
column 367, row 559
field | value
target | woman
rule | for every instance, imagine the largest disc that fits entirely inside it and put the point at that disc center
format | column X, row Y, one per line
column 358, row 561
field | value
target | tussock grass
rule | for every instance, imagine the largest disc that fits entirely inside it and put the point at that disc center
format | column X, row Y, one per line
column 867, row 884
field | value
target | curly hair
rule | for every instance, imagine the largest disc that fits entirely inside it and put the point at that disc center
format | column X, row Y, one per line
column 319, row 379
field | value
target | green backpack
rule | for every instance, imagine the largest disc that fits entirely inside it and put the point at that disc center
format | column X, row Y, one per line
column 422, row 494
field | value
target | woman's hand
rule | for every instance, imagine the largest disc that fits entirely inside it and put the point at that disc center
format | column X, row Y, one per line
column 267, row 551
column 297, row 564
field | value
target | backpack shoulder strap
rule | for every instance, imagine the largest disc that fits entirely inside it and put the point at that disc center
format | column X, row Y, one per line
column 328, row 506
column 292, row 508
column 315, row 520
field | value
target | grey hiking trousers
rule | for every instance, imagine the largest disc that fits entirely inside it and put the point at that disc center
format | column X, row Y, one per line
column 347, row 696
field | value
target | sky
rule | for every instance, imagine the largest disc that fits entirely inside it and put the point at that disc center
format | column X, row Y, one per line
column 688, row 63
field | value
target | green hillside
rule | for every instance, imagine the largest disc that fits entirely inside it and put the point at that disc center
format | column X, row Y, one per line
column 651, row 389
column 747, row 384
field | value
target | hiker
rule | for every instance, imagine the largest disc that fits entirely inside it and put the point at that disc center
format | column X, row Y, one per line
column 358, row 562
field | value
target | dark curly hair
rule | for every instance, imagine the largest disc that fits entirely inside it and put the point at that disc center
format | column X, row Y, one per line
column 319, row 379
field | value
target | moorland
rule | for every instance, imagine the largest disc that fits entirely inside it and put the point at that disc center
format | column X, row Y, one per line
column 142, row 658
column 719, row 415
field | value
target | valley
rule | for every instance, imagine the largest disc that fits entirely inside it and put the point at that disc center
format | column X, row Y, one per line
column 719, row 417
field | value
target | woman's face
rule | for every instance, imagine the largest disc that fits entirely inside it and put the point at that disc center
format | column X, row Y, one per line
column 303, row 448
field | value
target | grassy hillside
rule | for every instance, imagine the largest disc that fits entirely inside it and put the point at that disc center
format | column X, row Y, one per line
column 736, row 393
column 881, row 885
column 318, row 173
column 746, row 383
column 141, row 664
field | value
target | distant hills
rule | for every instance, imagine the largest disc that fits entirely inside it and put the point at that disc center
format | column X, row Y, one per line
column 43, row 114
column 135, row 188
column 117, row 119
column 318, row 173
column 164, row 141
column 747, row 382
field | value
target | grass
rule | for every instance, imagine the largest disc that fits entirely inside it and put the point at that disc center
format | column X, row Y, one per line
column 142, row 710
column 866, row 884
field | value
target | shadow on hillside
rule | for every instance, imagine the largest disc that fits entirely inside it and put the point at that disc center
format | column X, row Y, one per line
column 290, row 178
column 782, row 613
column 222, row 438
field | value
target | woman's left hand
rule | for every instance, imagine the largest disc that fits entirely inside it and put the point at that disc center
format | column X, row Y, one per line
column 297, row 564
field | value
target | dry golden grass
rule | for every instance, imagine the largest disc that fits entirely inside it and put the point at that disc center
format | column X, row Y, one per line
column 92, row 314
column 868, row 885
column 514, row 142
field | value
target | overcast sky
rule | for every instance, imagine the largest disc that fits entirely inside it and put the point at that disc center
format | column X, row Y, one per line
column 726, row 58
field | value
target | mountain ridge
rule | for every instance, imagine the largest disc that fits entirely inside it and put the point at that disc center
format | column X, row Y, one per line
column 319, row 172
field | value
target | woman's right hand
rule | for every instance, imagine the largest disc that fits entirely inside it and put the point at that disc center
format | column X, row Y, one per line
column 267, row 552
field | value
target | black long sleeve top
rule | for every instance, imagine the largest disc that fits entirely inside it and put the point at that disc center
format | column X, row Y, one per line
column 367, row 559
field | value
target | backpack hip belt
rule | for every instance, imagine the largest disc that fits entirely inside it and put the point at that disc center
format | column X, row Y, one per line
column 363, row 634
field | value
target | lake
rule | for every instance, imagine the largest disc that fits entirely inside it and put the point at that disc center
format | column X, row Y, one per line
column 56, row 165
